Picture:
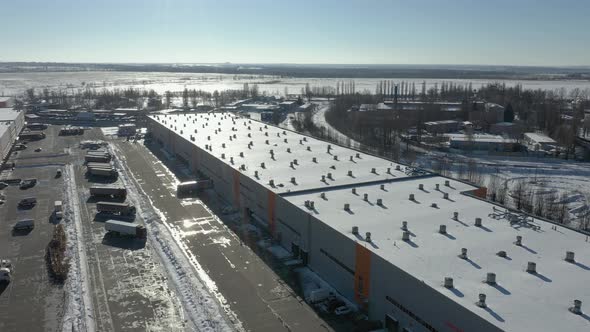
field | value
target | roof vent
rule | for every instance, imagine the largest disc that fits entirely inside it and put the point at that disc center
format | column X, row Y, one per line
column 266, row 141
column 223, row 156
column 421, row 186
column 249, row 135
column 447, row 183
column 231, row 160
column 329, row 147
column 235, row 136
column 442, row 229
column 335, row 157
column 309, row 148
column 223, row 145
column 412, row 197
column 285, row 140
column 295, row 162
column 312, row 205
column 448, row 282
column 463, row 254
column 243, row 167
column 406, row 236
column 351, row 158
column 531, row 267
column 271, row 182
column 272, row 152
column 330, row 176
column 284, row 132
column 382, row 187
column 366, row 197
column 305, row 139
column 242, row 154
column 278, row 135
column 405, row 225
column 314, row 159
column 291, row 164
column 446, row 195
column 455, row 215
column 570, row 256
column 300, row 141
column 354, row 191
column 293, row 180
column 256, row 174
column 577, row 308
column 323, row 178
column 482, row 301
column 368, row 236
column 491, row 278
column 349, row 173
column 388, row 170
column 478, row 222
column 358, row 155
column 355, row 229
column 208, row 138
column 323, row 195
column 434, row 205
column 518, row 241
column 346, row 207
column 502, row 254
column 379, row 202
column 262, row 164
column 398, row 168
column 373, row 170
column 266, row 133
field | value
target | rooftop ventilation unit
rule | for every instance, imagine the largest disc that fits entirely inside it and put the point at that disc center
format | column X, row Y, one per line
column 446, row 196
column 491, row 278
column 388, row 170
column 312, row 205
column 271, row 182
column 223, row 156
column 463, row 254
column 405, row 225
column 478, row 222
column 265, row 127
column 577, row 308
column 289, row 150
column 349, row 173
column 323, row 195
column 242, row 154
column 335, row 157
column 256, row 174
column 314, row 159
column 502, row 254
column 249, row 135
column 442, row 229
column 285, row 140
column 531, row 267
column 235, row 136
column 266, row 141
column 300, row 141
column 482, row 301
column 373, row 170
column 266, row 133
column 447, row 183
column 293, row 180
column 570, row 256
column 346, row 207
column 262, row 165
column 421, row 186
column 366, row 197
column 382, row 187
column 379, row 202
column 323, row 178
column 354, row 191
column 434, row 205
column 351, row 158
column 412, row 197
column 231, row 160
column 518, row 241
column 223, row 145
column 355, row 229
column 295, row 162
column 358, row 155
column 406, row 236
column 330, row 176
column 448, row 282
column 455, row 215
column 368, row 236
column 208, row 138
column 309, row 148
column 398, row 168
column 278, row 135
column 305, row 139
column 284, row 132
column 243, row 167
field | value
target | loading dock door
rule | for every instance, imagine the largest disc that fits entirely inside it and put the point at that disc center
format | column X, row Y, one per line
column 295, row 249
column 391, row 324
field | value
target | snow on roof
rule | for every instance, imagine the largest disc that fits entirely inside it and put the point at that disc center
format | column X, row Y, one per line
column 520, row 301
column 4, row 99
column 480, row 138
column 8, row 114
column 294, row 154
column 539, row 138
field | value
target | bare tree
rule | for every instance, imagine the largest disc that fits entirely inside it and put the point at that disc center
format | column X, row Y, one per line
column 518, row 194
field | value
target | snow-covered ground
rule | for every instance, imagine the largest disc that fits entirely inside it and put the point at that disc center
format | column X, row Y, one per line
column 203, row 304
column 79, row 312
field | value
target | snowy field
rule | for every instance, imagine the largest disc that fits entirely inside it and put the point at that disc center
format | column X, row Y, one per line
column 17, row 83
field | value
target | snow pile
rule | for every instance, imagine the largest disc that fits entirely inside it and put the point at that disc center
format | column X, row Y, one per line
column 79, row 313
column 197, row 293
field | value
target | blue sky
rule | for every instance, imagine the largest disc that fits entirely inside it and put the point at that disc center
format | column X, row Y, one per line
column 497, row 32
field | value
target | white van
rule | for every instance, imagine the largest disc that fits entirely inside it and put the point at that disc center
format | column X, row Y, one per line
column 58, row 209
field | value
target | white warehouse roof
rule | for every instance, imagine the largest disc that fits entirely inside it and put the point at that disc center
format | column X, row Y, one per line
column 293, row 153
column 8, row 114
column 519, row 302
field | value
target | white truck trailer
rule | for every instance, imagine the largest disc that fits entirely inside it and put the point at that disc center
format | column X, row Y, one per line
column 125, row 228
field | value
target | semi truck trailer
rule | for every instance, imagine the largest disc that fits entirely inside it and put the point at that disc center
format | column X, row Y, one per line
column 124, row 209
column 125, row 228
column 114, row 192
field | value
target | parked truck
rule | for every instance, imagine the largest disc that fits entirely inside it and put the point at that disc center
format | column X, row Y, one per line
column 114, row 192
column 190, row 187
column 5, row 271
column 58, row 210
column 105, row 172
column 100, row 158
column 124, row 209
column 125, row 228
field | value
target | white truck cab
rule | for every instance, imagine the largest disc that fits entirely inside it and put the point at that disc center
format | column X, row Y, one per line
column 5, row 270
column 58, row 209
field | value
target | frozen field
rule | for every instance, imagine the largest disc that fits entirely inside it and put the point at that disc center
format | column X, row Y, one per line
column 17, row 83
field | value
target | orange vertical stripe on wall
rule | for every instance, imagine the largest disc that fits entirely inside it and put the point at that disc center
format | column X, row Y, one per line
column 362, row 273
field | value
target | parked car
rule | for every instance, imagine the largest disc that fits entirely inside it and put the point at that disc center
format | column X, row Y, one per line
column 58, row 173
column 343, row 310
column 27, row 202
column 3, row 185
column 24, row 225
column 38, row 150
column 29, row 183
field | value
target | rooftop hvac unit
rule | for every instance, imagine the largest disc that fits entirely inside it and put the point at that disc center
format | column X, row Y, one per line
column 447, row 183
column 295, row 162
column 312, row 205
column 313, row 159
column 329, row 175
column 570, row 256
column 531, row 267
column 455, row 215
column 355, row 229
column 388, row 170
column 518, row 241
column 262, row 165
column 335, row 157
column 478, row 222
column 305, row 139
column 293, row 180
column 373, row 170
column 379, row 202
column 223, row 156
column 309, row 148
column 463, row 254
column 368, row 236
column 406, row 236
column 446, row 196
column 349, row 173
column 346, row 207
column 491, row 278
column 442, row 229
column 323, row 178
column 266, row 133
column 398, row 168
column 358, row 155
column 448, row 282
column 249, row 135
column 434, row 205
column 382, row 187
column 284, row 132
column 223, row 145
column 271, row 182
column 354, row 191
column 323, row 195
column 482, row 301
column 242, row 154
column 256, row 174
column 577, row 308
column 289, row 150
column 243, row 167
column 285, row 140
column 420, row 186
column 405, row 225
column 266, row 141
column 411, row 197
column 351, row 158
column 502, row 254
column 301, row 141
column 366, row 197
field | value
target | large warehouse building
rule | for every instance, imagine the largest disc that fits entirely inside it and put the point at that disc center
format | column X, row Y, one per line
column 11, row 124
column 417, row 251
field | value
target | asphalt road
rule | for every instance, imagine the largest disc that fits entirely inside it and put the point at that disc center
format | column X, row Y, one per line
column 255, row 293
